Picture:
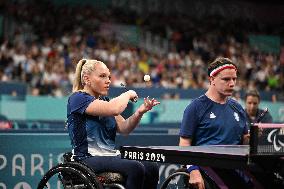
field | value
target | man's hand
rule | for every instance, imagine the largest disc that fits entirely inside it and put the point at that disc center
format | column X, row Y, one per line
column 246, row 139
column 196, row 180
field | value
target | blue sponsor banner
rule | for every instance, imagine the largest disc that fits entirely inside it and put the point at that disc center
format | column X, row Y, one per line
column 26, row 156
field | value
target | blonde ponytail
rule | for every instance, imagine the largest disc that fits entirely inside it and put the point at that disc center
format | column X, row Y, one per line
column 77, row 83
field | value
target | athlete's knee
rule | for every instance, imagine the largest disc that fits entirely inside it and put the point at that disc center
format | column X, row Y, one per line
column 137, row 169
column 152, row 169
column 155, row 168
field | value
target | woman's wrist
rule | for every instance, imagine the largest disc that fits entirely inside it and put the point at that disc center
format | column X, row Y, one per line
column 139, row 112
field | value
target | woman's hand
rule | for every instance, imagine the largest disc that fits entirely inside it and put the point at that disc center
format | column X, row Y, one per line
column 147, row 105
column 132, row 95
column 127, row 126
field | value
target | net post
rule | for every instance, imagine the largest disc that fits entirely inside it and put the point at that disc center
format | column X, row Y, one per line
column 253, row 139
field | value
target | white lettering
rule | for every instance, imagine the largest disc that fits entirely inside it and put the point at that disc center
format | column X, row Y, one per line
column 3, row 186
column 134, row 155
column 125, row 154
column 163, row 157
column 4, row 163
column 20, row 167
column 21, row 185
column 50, row 161
column 147, row 156
column 38, row 166
column 60, row 158
column 153, row 157
column 130, row 155
column 141, row 156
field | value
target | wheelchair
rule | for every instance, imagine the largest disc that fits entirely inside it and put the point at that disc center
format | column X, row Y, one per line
column 77, row 175
column 179, row 180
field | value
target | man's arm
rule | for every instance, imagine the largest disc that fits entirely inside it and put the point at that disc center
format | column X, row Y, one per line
column 184, row 141
column 195, row 176
column 246, row 138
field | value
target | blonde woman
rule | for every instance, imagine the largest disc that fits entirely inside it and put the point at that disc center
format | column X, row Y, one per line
column 93, row 121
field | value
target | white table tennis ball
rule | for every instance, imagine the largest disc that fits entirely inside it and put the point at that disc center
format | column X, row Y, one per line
column 147, row 78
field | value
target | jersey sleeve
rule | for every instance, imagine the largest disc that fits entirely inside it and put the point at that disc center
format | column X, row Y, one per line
column 244, row 120
column 189, row 121
column 79, row 102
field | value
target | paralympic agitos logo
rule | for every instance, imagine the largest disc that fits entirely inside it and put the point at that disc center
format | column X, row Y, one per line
column 273, row 137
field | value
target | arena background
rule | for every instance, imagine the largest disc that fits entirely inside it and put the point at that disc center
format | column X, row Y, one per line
column 173, row 41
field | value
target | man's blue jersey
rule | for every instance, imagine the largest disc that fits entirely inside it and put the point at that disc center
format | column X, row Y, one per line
column 90, row 135
column 209, row 123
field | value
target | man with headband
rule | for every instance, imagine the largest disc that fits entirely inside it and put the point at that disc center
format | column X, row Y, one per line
column 214, row 118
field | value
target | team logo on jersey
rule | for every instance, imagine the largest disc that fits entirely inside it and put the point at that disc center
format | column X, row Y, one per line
column 212, row 115
column 236, row 116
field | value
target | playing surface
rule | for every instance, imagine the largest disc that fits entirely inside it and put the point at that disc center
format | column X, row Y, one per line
column 266, row 144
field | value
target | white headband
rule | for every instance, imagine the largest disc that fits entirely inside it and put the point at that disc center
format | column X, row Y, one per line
column 220, row 68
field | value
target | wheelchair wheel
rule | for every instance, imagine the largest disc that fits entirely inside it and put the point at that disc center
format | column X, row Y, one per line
column 177, row 180
column 180, row 178
column 69, row 176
